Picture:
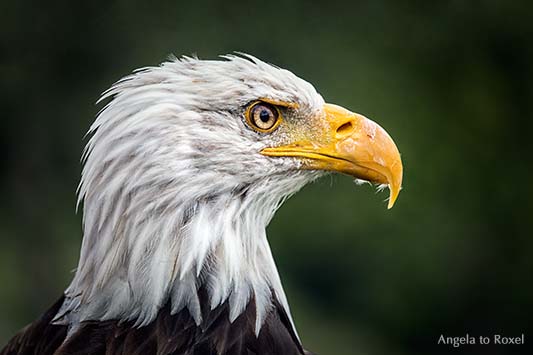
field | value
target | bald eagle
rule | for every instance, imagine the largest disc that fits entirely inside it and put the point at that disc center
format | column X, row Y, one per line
column 184, row 169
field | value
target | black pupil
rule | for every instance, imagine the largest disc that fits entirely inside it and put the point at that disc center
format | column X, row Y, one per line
column 264, row 115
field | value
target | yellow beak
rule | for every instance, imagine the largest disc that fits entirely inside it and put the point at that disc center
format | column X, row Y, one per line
column 350, row 144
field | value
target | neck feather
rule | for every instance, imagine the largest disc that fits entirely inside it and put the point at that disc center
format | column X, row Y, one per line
column 133, row 264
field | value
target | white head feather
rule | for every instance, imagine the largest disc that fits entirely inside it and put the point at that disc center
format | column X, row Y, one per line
column 176, row 194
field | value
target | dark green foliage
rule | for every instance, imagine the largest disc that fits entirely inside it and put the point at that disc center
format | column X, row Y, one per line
column 452, row 83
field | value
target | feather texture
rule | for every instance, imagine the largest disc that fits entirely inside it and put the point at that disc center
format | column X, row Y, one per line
column 176, row 199
column 168, row 334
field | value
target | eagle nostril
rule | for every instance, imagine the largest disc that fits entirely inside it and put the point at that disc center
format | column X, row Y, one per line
column 345, row 128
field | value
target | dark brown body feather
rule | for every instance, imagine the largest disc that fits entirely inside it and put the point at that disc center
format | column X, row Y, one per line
column 167, row 335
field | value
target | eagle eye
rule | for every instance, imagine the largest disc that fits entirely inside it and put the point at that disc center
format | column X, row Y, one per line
column 263, row 117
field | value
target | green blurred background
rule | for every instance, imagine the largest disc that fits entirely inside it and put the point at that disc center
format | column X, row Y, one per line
column 452, row 83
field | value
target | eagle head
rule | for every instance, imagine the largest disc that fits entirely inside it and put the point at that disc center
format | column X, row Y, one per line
column 186, row 165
